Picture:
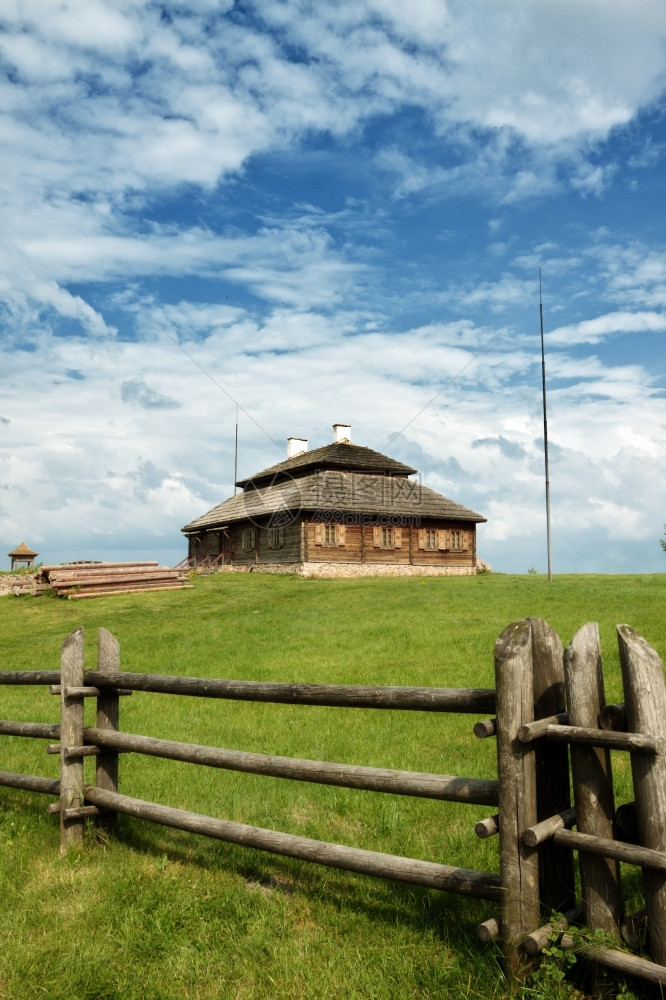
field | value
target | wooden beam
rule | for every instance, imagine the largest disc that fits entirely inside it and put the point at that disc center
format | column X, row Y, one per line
column 474, row 791
column 30, row 677
column 556, row 868
column 30, row 783
column 71, row 735
column 38, row 730
column 465, row 700
column 462, row 881
column 592, row 781
column 108, row 713
column 519, row 865
column 645, row 702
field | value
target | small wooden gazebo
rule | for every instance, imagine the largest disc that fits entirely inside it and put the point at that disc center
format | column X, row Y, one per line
column 22, row 554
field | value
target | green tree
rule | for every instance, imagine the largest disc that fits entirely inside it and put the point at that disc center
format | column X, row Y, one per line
column 663, row 541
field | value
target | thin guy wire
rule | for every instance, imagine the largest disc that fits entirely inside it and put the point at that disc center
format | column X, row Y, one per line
column 207, row 374
column 463, row 369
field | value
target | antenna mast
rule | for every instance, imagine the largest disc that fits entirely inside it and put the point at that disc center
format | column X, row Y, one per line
column 236, row 453
column 545, row 433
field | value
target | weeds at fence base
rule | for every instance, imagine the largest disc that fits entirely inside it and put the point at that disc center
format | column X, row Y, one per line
column 562, row 974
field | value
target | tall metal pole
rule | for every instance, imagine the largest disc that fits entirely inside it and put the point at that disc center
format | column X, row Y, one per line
column 545, row 433
column 236, row 453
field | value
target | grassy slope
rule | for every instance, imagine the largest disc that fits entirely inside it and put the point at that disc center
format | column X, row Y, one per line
column 163, row 914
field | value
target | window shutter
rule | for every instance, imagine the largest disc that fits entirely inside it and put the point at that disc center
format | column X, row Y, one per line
column 464, row 540
column 421, row 538
column 342, row 533
column 376, row 536
column 442, row 538
column 397, row 538
column 253, row 536
column 319, row 534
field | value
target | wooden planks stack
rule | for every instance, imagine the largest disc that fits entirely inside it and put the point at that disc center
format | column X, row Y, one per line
column 92, row 579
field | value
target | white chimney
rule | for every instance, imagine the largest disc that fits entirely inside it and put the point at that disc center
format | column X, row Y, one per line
column 341, row 432
column 295, row 446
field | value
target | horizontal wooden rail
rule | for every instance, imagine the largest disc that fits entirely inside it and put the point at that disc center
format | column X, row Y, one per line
column 631, row 854
column 535, row 730
column 462, row 881
column 489, row 930
column 540, row 832
column 537, row 940
column 488, row 827
column 637, row 742
column 622, row 961
column 30, row 783
column 421, row 699
column 485, row 728
column 474, row 791
column 84, row 692
column 30, row 677
column 38, row 730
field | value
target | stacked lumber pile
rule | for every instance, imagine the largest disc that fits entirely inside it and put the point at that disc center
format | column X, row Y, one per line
column 98, row 579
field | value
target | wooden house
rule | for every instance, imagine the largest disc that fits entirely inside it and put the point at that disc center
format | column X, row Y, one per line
column 339, row 510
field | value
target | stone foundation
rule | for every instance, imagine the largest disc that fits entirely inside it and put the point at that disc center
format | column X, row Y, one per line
column 8, row 581
column 330, row 570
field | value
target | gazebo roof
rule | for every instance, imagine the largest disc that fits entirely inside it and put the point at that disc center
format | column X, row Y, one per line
column 22, row 550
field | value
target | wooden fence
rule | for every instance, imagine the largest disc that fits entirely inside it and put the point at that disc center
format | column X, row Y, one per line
column 553, row 731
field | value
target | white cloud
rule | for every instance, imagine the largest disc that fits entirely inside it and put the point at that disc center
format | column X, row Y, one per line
column 635, row 273
column 594, row 331
column 138, row 151
column 506, row 293
column 139, row 393
column 479, row 443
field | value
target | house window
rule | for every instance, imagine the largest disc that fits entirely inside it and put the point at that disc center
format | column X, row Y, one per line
column 247, row 539
column 386, row 537
column 330, row 534
column 443, row 540
column 276, row 538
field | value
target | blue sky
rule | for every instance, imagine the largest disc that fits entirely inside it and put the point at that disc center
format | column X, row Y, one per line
column 333, row 213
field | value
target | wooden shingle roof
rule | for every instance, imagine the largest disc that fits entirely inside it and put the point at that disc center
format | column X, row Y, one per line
column 336, row 492
column 343, row 456
column 22, row 550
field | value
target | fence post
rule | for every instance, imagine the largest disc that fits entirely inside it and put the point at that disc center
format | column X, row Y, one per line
column 592, row 781
column 556, row 867
column 645, row 700
column 106, row 770
column 519, row 864
column 71, row 735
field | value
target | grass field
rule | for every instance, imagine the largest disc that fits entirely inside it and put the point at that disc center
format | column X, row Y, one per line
column 162, row 914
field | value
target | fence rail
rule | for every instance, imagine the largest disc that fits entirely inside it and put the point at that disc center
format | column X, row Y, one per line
column 474, row 791
column 553, row 731
column 413, row 699
column 425, row 873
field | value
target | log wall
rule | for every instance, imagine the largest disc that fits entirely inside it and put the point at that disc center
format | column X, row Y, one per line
column 356, row 544
column 265, row 550
column 363, row 544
